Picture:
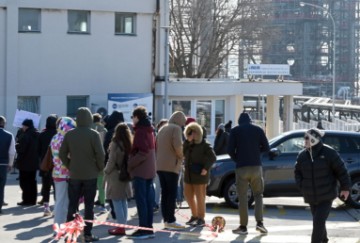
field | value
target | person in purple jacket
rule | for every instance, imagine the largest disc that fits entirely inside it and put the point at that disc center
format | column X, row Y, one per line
column 246, row 143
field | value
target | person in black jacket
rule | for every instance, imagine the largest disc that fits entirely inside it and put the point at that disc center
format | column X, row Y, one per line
column 318, row 168
column 28, row 162
column 246, row 143
column 221, row 140
column 46, row 176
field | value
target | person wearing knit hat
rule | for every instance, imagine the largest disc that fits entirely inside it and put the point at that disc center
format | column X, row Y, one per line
column 189, row 120
column 313, row 136
column 318, row 169
column 28, row 162
column 228, row 126
column 246, row 144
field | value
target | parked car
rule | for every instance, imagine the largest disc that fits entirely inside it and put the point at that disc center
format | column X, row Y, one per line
column 278, row 167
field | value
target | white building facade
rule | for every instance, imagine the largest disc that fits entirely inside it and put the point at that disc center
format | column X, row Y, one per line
column 58, row 55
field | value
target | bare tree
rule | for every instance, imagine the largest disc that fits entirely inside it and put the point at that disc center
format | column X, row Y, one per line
column 204, row 32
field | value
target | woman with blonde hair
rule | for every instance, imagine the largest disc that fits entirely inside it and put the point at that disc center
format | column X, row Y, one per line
column 116, row 190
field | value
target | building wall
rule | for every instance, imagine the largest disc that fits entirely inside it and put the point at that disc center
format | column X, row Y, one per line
column 53, row 64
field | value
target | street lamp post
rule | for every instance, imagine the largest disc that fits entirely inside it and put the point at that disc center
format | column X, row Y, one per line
column 302, row 4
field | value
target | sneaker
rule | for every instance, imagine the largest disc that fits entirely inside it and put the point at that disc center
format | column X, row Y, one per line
column 102, row 210
column 260, row 227
column 192, row 220
column 242, row 230
column 117, row 231
column 200, row 223
column 156, row 209
column 141, row 235
column 5, row 204
column 174, row 226
column 41, row 202
column 91, row 238
column 47, row 212
column 135, row 216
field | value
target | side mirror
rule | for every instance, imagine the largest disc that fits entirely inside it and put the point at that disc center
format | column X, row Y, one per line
column 274, row 152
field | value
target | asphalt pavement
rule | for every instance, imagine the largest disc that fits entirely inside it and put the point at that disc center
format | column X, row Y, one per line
column 288, row 220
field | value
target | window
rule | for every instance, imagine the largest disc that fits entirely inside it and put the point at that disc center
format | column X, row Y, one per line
column 219, row 112
column 79, row 21
column 125, row 23
column 182, row 105
column 74, row 102
column 29, row 20
column 203, row 114
column 292, row 145
column 29, row 103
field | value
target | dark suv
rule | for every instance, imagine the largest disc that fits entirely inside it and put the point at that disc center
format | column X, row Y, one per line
column 278, row 167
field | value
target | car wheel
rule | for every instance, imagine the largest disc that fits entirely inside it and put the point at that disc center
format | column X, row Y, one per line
column 354, row 197
column 231, row 197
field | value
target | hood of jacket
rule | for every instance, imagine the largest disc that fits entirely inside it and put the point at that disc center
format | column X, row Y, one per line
column 65, row 125
column 194, row 126
column 84, row 117
column 244, row 118
column 178, row 118
column 115, row 118
column 51, row 122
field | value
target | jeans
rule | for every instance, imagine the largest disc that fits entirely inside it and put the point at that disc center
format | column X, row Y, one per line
column 320, row 213
column 169, row 183
column 61, row 202
column 101, row 189
column 244, row 176
column 28, row 185
column 76, row 189
column 157, row 191
column 121, row 210
column 144, row 198
column 3, row 176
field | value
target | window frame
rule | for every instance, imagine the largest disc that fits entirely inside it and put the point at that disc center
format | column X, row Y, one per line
column 29, row 103
column 71, row 26
column 22, row 23
column 122, row 23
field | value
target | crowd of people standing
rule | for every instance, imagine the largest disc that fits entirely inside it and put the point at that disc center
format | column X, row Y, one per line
column 91, row 155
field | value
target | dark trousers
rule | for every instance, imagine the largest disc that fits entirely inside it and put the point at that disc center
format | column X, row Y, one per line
column 3, row 176
column 76, row 189
column 28, row 185
column 169, row 184
column 320, row 213
column 144, row 198
column 46, row 183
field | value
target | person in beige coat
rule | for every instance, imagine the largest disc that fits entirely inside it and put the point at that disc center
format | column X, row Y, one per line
column 169, row 159
column 116, row 190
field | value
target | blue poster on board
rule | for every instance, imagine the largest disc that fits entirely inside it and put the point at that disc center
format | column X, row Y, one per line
column 126, row 102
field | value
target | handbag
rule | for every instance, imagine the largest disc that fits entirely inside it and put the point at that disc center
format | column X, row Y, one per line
column 124, row 175
column 47, row 161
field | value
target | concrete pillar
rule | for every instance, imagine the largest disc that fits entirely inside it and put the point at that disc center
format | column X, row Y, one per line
column 288, row 113
column 272, row 116
column 236, row 106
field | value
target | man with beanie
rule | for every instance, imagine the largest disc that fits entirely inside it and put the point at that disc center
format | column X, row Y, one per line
column 83, row 154
column 169, row 159
column 28, row 162
column 46, row 178
column 318, row 169
column 246, row 143
column 7, row 154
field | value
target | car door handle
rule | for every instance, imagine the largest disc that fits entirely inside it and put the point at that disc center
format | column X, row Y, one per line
column 349, row 161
